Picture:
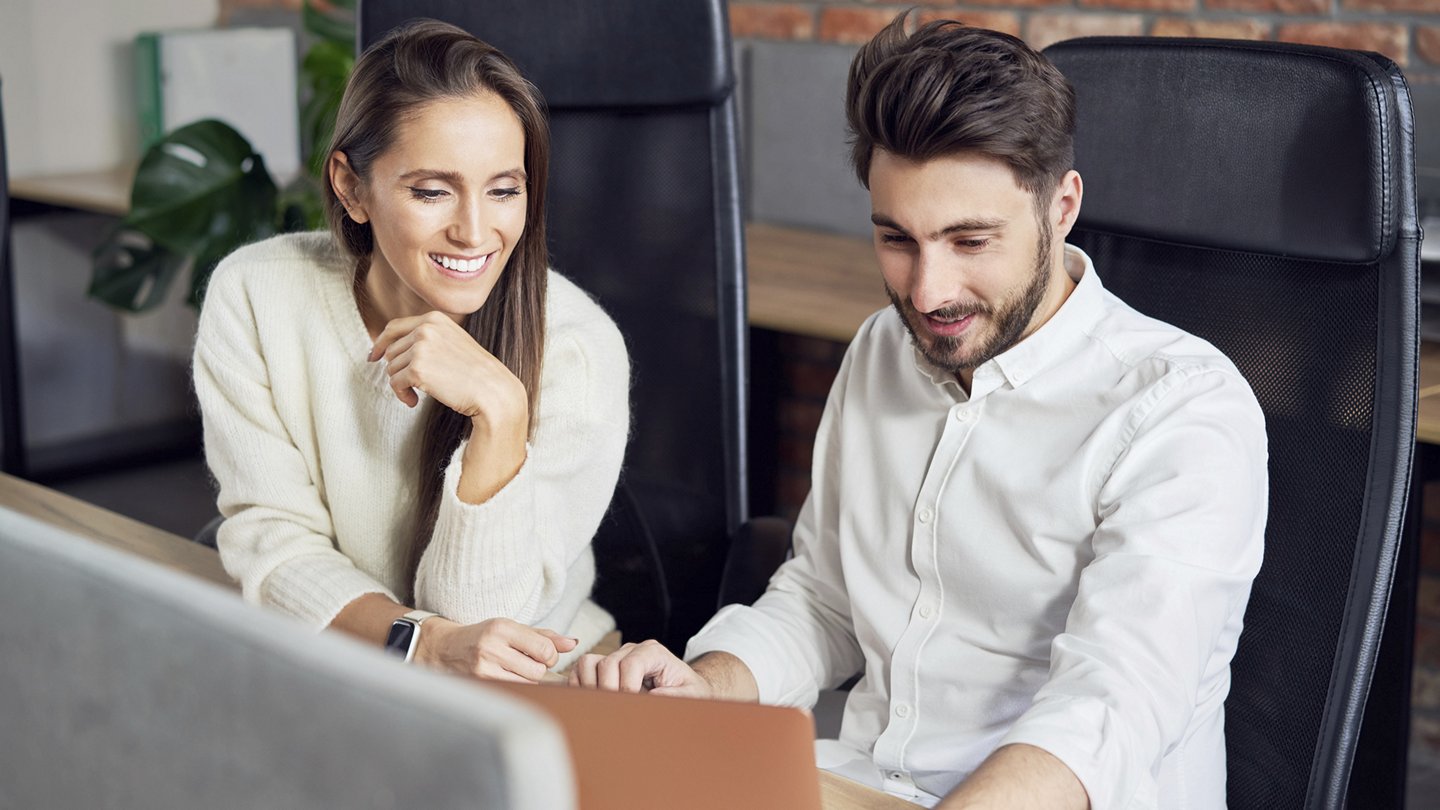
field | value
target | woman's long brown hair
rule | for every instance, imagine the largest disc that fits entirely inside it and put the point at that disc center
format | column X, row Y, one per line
column 421, row 62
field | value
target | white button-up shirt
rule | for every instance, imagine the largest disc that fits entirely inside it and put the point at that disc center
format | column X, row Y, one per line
column 1061, row 558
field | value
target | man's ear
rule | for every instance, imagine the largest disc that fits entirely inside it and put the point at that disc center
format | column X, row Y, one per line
column 347, row 186
column 1065, row 207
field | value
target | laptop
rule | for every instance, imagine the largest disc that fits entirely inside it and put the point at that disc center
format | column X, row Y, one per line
column 632, row 752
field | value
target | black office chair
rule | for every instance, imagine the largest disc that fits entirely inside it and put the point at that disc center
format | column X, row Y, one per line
column 645, row 215
column 1262, row 196
column 12, row 436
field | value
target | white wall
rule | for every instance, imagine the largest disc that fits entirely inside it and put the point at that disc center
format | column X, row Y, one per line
column 67, row 77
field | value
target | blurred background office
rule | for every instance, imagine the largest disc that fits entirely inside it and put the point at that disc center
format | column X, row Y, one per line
column 109, row 414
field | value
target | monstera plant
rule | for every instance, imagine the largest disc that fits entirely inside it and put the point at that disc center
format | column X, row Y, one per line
column 202, row 190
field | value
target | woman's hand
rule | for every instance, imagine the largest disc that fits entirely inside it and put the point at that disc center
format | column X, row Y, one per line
column 501, row 649
column 434, row 354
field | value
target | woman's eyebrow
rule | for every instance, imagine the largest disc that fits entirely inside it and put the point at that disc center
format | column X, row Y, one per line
column 437, row 174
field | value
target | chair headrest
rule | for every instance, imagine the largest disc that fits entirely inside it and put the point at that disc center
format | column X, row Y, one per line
column 617, row 53
column 1254, row 146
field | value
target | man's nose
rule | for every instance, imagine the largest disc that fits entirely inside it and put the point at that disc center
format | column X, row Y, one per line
column 935, row 280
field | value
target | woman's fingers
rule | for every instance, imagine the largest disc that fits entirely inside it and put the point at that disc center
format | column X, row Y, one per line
column 563, row 644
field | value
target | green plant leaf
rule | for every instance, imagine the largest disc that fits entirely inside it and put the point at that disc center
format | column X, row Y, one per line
column 202, row 185
column 334, row 23
column 133, row 272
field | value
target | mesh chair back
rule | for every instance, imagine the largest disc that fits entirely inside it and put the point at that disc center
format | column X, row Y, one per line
column 1261, row 196
column 12, row 438
column 645, row 215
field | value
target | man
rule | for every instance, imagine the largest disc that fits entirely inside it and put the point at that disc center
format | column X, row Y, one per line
column 1036, row 514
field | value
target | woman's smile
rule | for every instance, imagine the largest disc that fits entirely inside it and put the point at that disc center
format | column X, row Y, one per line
column 461, row 267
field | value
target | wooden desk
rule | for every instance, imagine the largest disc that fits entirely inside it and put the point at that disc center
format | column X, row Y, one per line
column 839, row 793
column 116, row 531
column 810, row 283
column 105, row 192
column 1427, row 421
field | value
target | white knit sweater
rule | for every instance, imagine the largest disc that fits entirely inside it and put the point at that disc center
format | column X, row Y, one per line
column 316, row 458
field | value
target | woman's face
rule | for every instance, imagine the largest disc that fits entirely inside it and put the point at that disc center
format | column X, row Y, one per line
column 446, row 203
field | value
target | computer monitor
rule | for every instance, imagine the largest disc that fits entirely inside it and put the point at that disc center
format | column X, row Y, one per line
column 125, row 684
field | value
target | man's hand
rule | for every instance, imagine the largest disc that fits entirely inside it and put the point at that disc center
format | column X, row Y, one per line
column 649, row 667
column 644, row 667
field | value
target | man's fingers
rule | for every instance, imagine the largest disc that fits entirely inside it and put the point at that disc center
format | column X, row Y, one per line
column 583, row 673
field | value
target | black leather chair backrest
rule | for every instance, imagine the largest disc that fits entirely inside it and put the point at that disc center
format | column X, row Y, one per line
column 1262, row 196
column 12, row 436
column 645, row 215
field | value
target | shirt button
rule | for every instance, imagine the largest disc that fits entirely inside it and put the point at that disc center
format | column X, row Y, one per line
column 903, row 710
column 962, row 415
column 925, row 611
column 925, row 515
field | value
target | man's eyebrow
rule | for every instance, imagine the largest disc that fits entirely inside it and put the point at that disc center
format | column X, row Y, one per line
column 961, row 226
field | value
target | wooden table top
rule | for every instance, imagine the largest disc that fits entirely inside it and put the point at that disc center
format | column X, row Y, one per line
column 1427, row 421
column 116, row 531
column 103, row 192
column 810, row 283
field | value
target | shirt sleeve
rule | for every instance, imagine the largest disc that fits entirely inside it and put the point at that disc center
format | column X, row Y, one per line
column 511, row 556
column 1158, row 610
column 798, row 637
column 277, row 536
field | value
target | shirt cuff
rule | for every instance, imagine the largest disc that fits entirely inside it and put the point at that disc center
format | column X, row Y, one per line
column 741, row 631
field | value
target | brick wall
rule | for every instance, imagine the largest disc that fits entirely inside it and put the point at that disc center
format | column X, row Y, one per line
column 1407, row 31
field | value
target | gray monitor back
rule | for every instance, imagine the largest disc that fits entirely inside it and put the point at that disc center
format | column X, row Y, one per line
column 126, row 685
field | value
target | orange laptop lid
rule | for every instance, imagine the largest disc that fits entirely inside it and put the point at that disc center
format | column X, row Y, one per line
column 632, row 752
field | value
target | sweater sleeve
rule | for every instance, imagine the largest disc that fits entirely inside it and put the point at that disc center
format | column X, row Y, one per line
column 277, row 536
column 512, row 555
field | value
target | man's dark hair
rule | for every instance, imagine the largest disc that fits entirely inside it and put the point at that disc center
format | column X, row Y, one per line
column 951, row 88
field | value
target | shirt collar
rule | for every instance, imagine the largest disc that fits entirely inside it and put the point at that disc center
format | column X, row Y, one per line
column 1056, row 339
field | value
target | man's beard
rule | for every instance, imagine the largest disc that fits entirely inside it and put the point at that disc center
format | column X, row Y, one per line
column 1010, row 318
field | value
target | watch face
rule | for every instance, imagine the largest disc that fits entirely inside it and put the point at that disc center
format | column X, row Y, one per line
column 401, row 634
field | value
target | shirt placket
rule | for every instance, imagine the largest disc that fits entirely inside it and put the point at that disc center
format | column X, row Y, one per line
column 906, row 707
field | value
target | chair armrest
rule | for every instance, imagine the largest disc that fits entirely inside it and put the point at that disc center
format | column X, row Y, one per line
column 759, row 546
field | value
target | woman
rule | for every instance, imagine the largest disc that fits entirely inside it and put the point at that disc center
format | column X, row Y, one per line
column 412, row 410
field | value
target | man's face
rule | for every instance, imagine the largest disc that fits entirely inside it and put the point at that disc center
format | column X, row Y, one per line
column 967, row 261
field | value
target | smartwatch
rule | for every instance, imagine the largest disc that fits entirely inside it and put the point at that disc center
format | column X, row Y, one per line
column 404, row 638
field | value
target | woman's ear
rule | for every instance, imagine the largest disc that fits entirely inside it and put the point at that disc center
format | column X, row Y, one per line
column 347, row 186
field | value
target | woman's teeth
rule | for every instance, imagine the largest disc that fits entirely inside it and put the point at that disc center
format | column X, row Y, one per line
column 459, row 265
